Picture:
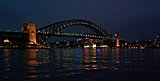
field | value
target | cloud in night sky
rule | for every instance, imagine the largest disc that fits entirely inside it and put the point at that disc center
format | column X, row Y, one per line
column 132, row 19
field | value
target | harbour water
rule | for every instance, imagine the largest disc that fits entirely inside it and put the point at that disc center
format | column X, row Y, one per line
column 80, row 64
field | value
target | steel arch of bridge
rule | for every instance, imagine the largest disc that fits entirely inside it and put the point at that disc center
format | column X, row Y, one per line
column 54, row 29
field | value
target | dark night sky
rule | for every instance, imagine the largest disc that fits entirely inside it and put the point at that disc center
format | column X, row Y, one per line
column 132, row 19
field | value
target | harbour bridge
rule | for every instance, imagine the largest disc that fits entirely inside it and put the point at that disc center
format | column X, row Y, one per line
column 74, row 28
column 67, row 28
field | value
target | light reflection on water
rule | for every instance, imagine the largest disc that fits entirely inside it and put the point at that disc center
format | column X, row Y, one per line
column 88, row 64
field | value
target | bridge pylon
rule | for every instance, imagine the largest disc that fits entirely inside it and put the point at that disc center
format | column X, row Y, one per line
column 117, row 40
column 29, row 30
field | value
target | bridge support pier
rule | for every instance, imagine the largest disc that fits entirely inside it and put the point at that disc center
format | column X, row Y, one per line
column 29, row 30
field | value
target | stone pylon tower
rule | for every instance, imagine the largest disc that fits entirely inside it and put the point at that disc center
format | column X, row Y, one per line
column 29, row 30
column 117, row 40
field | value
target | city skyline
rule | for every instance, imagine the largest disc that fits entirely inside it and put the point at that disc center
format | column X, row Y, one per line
column 138, row 19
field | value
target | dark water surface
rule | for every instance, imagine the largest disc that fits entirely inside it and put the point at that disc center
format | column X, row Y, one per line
column 80, row 64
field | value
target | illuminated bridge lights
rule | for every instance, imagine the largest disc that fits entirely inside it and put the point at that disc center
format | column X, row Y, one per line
column 54, row 29
column 81, row 28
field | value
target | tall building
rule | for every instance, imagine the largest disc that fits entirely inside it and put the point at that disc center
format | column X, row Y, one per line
column 117, row 40
column 29, row 30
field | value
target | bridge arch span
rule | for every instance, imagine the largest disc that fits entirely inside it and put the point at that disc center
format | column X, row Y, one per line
column 55, row 28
